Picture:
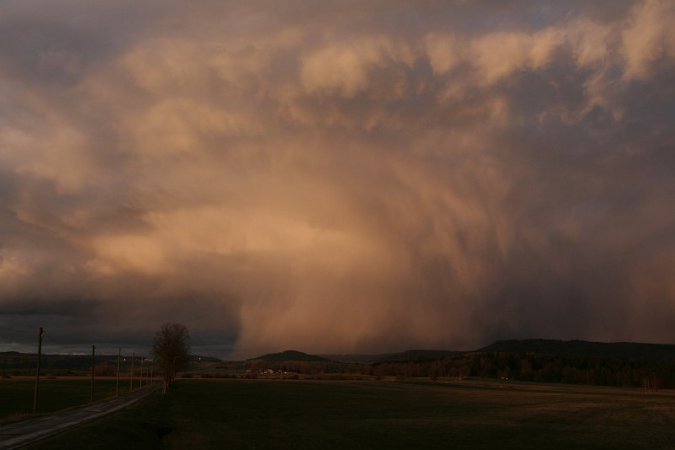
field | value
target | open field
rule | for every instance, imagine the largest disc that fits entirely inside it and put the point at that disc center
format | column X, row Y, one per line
column 16, row 395
column 238, row 414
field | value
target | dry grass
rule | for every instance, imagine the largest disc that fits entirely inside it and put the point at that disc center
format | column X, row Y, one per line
column 239, row 414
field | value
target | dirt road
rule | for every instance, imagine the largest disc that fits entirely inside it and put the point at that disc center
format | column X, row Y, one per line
column 19, row 434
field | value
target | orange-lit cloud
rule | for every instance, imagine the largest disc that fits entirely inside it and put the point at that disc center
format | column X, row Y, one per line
column 336, row 177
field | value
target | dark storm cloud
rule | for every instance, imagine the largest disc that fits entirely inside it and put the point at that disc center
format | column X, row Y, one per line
column 337, row 176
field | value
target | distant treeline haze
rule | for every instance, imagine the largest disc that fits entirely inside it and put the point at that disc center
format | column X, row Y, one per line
column 539, row 368
column 501, row 365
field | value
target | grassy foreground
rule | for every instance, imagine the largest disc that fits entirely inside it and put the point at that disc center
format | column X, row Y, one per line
column 382, row 415
column 16, row 396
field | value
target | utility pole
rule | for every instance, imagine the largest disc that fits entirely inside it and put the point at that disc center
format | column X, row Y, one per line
column 93, row 358
column 117, row 381
column 41, row 332
column 131, row 373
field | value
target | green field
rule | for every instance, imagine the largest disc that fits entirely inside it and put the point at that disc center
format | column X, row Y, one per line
column 382, row 415
column 16, row 396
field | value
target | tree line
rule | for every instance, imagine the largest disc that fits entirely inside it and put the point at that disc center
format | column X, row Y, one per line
column 538, row 368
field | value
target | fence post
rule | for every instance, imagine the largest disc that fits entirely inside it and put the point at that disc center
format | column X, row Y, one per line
column 41, row 332
column 117, row 380
column 131, row 373
column 93, row 364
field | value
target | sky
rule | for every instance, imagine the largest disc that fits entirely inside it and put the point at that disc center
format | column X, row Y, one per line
column 336, row 176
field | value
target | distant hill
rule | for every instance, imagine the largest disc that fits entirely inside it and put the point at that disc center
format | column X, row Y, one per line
column 625, row 351
column 416, row 355
column 408, row 355
column 356, row 358
column 289, row 355
column 24, row 363
column 202, row 358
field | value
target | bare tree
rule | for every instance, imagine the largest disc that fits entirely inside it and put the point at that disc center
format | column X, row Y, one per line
column 171, row 351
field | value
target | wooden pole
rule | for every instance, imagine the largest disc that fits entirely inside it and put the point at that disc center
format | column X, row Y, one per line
column 93, row 364
column 117, row 381
column 131, row 373
column 41, row 332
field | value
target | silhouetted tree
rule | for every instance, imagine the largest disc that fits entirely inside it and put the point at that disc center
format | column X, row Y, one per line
column 171, row 351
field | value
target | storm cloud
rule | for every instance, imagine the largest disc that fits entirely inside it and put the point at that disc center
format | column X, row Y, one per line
column 337, row 176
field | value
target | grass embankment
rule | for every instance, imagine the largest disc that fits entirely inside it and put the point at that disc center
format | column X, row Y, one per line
column 16, row 396
column 379, row 415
